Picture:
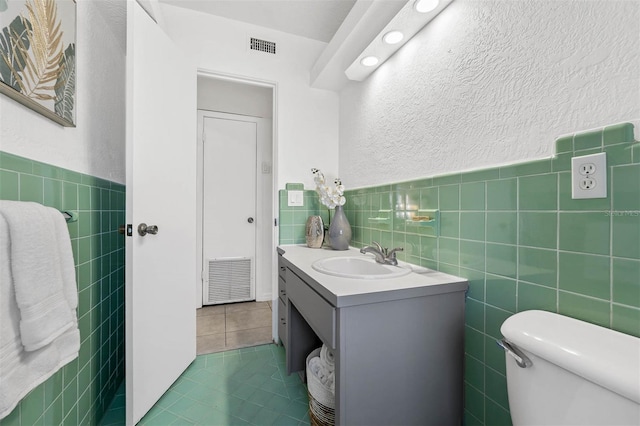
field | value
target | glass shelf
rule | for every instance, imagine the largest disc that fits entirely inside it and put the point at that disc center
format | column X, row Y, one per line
column 426, row 218
column 379, row 219
column 383, row 217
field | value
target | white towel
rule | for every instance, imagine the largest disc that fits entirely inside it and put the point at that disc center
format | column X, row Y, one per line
column 319, row 369
column 326, row 355
column 43, row 271
column 21, row 371
column 323, row 367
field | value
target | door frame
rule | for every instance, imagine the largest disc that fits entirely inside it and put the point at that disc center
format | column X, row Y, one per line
column 274, row 235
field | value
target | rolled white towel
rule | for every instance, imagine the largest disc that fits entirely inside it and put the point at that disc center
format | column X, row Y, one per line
column 315, row 366
column 321, row 372
column 326, row 355
column 318, row 368
column 330, row 382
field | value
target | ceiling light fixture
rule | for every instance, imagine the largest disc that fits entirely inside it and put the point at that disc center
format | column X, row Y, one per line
column 413, row 16
column 393, row 37
column 369, row 61
column 425, row 6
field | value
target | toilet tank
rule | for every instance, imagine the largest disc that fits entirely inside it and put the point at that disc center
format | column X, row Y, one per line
column 579, row 373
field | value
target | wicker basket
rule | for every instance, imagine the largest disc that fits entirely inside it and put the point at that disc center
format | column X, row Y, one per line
column 322, row 400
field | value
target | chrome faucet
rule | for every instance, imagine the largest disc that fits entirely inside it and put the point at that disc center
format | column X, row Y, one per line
column 391, row 257
column 377, row 251
column 382, row 255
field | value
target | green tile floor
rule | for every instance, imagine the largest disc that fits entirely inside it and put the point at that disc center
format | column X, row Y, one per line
column 246, row 386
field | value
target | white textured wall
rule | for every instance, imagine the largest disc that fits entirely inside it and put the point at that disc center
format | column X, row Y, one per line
column 491, row 82
column 96, row 146
column 307, row 119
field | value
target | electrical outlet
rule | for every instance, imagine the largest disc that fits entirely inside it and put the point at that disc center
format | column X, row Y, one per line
column 587, row 169
column 589, row 176
column 587, row 183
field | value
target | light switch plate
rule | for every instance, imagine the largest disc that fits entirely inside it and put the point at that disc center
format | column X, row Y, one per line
column 266, row 167
column 295, row 198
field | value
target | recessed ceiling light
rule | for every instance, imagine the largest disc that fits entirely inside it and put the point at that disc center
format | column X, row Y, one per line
column 424, row 6
column 410, row 20
column 393, row 37
column 369, row 61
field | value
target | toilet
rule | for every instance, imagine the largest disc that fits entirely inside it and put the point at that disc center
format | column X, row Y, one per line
column 562, row 371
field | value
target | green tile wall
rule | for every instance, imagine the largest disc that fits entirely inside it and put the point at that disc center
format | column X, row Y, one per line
column 293, row 220
column 80, row 392
column 522, row 242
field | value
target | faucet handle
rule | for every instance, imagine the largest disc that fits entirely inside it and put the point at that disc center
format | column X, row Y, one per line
column 382, row 251
column 392, row 253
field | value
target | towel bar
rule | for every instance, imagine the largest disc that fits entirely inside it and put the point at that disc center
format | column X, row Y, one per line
column 69, row 215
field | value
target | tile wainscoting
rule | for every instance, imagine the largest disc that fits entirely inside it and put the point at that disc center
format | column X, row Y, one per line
column 519, row 238
column 81, row 391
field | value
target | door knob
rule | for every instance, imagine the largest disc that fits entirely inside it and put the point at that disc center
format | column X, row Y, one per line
column 250, row 220
column 144, row 229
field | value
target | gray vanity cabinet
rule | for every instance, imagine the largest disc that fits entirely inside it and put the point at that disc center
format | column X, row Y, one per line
column 398, row 362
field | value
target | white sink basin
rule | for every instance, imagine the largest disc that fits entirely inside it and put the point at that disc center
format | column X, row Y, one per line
column 358, row 267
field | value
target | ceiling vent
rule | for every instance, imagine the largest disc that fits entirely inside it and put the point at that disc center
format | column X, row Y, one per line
column 262, row 45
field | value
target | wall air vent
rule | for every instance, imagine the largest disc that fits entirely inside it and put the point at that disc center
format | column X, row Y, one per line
column 262, row 45
column 230, row 280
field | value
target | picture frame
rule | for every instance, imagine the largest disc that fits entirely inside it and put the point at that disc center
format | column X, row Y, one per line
column 38, row 56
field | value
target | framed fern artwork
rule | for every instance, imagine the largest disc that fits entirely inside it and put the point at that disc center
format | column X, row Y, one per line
column 38, row 56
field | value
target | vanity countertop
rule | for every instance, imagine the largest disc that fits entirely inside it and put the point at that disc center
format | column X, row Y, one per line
column 342, row 292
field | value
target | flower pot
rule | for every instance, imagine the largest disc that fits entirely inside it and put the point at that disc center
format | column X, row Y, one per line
column 339, row 230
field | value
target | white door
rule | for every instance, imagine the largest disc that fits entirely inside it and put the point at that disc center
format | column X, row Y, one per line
column 161, row 158
column 229, row 209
